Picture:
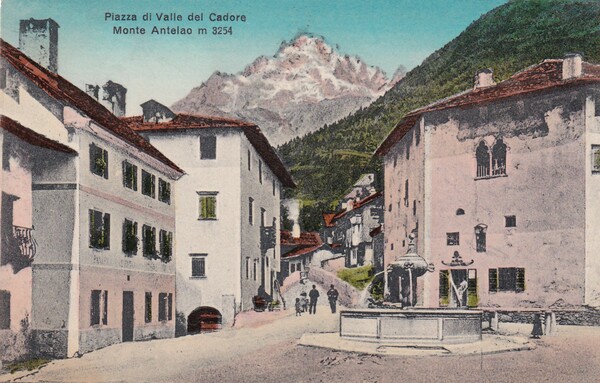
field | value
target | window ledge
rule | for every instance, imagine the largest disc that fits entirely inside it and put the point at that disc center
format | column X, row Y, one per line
column 192, row 278
column 597, row 172
column 490, row 177
column 207, row 219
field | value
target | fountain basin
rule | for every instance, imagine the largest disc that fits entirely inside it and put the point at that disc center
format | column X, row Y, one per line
column 412, row 326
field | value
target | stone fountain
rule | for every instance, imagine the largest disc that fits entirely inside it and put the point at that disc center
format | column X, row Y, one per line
column 403, row 322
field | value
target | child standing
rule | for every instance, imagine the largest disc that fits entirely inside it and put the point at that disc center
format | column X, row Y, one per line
column 298, row 307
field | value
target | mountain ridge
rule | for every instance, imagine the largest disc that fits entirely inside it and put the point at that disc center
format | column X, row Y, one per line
column 305, row 84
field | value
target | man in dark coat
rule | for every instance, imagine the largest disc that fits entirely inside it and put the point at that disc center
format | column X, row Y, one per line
column 313, row 295
column 332, row 295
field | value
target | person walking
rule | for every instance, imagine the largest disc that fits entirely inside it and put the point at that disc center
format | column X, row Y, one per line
column 298, row 307
column 313, row 295
column 332, row 295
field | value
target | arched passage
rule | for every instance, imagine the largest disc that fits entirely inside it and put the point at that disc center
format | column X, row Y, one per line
column 204, row 319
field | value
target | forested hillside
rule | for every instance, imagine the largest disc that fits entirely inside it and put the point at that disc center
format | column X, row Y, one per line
column 507, row 39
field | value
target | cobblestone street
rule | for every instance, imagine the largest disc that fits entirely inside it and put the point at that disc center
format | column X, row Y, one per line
column 263, row 348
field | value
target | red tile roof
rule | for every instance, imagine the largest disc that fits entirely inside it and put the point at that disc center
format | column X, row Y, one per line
column 252, row 132
column 308, row 242
column 306, row 238
column 547, row 74
column 32, row 137
column 300, row 251
column 330, row 218
column 62, row 90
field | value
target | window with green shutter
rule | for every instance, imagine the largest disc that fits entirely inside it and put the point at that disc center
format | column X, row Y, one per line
column 130, row 176
column 98, row 161
column 507, row 279
column 99, row 230
column 207, row 205
column 130, row 237
column 166, row 245
column 164, row 191
column 472, row 298
column 148, row 184
column 149, row 241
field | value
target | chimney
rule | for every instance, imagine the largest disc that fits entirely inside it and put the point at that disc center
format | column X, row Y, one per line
column 572, row 66
column 114, row 97
column 38, row 39
column 92, row 90
column 154, row 111
column 484, row 78
column 296, row 230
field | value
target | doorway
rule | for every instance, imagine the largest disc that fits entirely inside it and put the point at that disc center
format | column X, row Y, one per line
column 204, row 319
column 128, row 316
column 458, row 288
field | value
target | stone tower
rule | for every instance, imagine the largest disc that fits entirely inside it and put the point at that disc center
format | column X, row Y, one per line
column 38, row 39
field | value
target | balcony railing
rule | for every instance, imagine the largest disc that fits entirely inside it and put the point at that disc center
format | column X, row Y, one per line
column 25, row 242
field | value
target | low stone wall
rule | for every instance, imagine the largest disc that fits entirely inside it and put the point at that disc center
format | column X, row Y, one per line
column 50, row 343
column 95, row 338
column 14, row 346
column 348, row 295
column 585, row 316
column 334, row 264
column 154, row 332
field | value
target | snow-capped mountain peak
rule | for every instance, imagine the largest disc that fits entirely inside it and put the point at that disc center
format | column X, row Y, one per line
column 305, row 85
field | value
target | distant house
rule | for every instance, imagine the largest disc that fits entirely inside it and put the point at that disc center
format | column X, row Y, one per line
column 501, row 183
column 228, row 211
column 87, row 216
column 349, row 229
column 297, row 251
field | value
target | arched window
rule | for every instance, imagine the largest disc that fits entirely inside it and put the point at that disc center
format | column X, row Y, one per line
column 460, row 212
column 480, row 237
column 483, row 160
column 499, row 158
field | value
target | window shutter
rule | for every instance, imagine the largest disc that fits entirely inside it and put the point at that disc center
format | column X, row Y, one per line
column 105, row 308
column 212, row 211
column 95, row 308
column 134, row 177
column 125, row 174
column 153, row 186
column 444, row 288
column 92, row 227
column 153, row 242
column 520, row 285
column 472, row 299
column 125, row 239
column 106, row 231
column 92, row 158
column 170, row 306
column 105, row 158
column 493, row 280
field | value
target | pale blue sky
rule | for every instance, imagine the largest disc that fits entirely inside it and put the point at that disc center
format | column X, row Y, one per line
column 386, row 33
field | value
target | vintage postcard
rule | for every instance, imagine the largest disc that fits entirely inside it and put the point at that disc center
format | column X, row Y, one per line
column 300, row 190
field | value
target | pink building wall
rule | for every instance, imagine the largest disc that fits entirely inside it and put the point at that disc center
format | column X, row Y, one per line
column 544, row 188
